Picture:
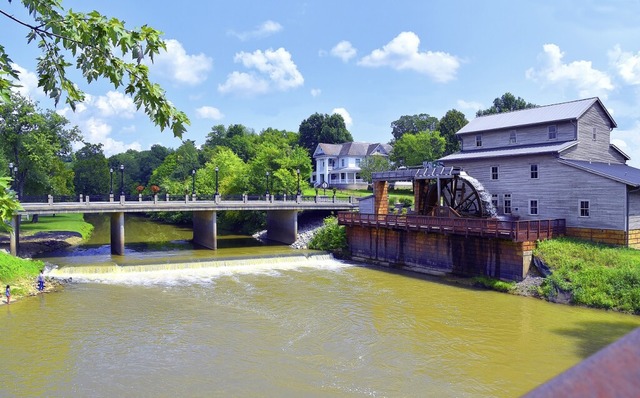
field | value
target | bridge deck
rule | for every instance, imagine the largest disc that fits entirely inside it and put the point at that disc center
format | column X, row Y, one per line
column 519, row 231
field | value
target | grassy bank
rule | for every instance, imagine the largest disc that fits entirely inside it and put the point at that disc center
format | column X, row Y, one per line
column 58, row 223
column 592, row 275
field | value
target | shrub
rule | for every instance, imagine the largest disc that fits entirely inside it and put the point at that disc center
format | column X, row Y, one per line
column 331, row 237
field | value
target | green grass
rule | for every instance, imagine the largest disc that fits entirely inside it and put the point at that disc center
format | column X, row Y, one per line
column 18, row 272
column 596, row 275
column 494, row 284
column 60, row 222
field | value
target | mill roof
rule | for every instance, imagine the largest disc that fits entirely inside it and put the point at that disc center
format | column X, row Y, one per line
column 614, row 171
column 542, row 114
column 511, row 151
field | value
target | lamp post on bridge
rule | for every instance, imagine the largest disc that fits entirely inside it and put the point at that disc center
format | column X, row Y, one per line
column 267, row 186
column 298, row 172
column 193, row 182
column 11, row 174
column 217, row 169
column 111, row 181
column 121, row 180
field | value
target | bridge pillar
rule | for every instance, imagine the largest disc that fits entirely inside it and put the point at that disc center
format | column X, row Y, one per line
column 117, row 233
column 205, row 229
column 282, row 226
column 14, row 238
column 381, row 197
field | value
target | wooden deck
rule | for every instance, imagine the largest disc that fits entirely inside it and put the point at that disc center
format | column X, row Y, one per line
column 518, row 231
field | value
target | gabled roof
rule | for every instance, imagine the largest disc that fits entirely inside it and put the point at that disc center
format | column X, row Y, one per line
column 544, row 114
column 614, row 171
column 556, row 147
column 352, row 149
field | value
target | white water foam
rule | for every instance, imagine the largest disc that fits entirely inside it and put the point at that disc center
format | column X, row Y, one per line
column 193, row 273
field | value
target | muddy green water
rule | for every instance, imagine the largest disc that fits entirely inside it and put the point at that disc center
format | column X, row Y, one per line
column 280, row 325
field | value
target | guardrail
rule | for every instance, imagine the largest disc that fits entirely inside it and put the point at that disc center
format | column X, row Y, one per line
column 516, row 230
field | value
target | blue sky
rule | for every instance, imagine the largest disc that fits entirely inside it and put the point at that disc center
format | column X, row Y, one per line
column 274, row 63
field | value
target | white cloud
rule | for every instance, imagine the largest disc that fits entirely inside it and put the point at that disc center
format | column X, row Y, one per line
column 471, row 105
column 344, row 50
column 97, row 131
column 209, row 112
column 627, row 64
column 578, row 74
column 403, row 53
column 28, row 82
column 113, row 104
column 345, row 115
column 272, row 70
column 180, row 66
column 629, row 142
column 265, row 29
column 315, row 92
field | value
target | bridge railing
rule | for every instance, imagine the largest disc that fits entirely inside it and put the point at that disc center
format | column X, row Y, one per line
column 519, row 231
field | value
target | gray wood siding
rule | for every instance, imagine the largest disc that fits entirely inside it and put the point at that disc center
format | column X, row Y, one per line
column 588, row 149
column 634, row 210
column 558, row 189
column 527, row 135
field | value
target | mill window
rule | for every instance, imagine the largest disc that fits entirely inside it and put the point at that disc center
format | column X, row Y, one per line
column 534, row 171
column 494, row 200
column 507, row 203
column 584, row 208
column 513, row 138
column 594, row 134
column 494, row 172
column 533, row 207
column 553, row 132
column 479, row 140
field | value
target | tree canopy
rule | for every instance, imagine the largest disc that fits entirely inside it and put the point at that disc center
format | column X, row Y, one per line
column 322, row 128
column 413, row 125
column 413, row 149
column 92, row 40
column 449, row 125
column 507, row 103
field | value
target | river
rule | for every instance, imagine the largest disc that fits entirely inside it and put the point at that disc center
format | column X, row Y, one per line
column 280, row 323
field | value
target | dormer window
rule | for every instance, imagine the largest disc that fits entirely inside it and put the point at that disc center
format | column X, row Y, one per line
column 512, row 137
column 553, row 132
column 479, row 140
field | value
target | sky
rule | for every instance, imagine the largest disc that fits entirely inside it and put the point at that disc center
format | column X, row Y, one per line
column 275, row 63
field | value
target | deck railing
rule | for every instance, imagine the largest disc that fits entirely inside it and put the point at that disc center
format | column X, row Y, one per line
column 516, row 230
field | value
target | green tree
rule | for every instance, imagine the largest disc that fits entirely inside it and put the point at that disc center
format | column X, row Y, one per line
column 413, row 125
column 450, row 123
column 92, row 40
column 373, row 164
column 8, row 204
column 92, row 171
column 507, row 103
column 322, row 128
column 413, row 149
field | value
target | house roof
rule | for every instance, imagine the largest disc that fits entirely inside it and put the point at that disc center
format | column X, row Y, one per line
column 352, row 149
column 543, row 114
column 615, row 171
column 556, row 147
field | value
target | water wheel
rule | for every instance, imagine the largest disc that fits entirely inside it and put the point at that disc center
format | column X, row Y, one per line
column 457, row 194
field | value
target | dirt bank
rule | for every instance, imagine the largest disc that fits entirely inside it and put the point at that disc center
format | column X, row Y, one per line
column 42, row 242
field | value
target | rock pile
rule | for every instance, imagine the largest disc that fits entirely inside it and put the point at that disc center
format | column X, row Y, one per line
column 306, row 231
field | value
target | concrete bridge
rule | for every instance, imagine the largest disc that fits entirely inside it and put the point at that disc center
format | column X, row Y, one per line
column 282, row 210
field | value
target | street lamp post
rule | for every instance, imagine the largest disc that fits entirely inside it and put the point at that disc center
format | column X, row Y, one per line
column 111, row 181
column 11, row 174
column 121, row 180
column 217, row 169
column 193, row 182
column 267, row 189
column 298, row 172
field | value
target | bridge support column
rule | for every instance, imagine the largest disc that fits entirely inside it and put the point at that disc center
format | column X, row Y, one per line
column 14, row 238
column 282, row 226
column 205, row 229
column 117, row 233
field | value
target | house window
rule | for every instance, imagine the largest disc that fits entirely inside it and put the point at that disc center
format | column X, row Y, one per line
column 534, row 171
column 512, row 137
column 322, row 164
column 494, row 172
column 533, row 207
column 594, row 134
column 584, row 208
column 494, row 200
column 342, row 162
column 358, row 160
column 479, row 140
column 553, row 132
column 507, row 203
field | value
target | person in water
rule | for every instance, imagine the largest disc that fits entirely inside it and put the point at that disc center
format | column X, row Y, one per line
column 41, row 281
column 7, row 293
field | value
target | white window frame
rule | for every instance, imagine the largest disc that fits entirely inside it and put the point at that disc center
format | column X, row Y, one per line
column 497, row 172
column 507, row 203
column 513, row 137
column 581, row 208
column 358, row 161
column 553, row 135
column 533, row 172
column 478, row 139
column 537, row 207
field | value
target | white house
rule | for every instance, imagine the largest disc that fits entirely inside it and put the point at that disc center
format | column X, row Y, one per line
column 338, row 165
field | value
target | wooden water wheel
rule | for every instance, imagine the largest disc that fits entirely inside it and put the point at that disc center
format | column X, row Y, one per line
column 457, row 194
